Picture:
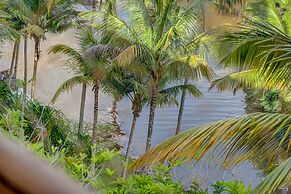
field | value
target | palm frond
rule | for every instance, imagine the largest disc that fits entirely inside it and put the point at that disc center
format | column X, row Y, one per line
column 69, row 84
column 261, row 135
column 190, row 66
column 237, row 80
column 264, row 47
column 280, row 177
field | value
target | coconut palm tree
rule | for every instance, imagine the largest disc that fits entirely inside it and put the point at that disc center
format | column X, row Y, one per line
column 41, row 17
column 89, row 69
column 80, row 65
column 160, row 48
column 135, row 85
column 261, row 51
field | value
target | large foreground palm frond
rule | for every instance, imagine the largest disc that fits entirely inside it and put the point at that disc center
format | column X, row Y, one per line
column 261, row 45
column 259, row 137
column 237, row 139
column 278, row 178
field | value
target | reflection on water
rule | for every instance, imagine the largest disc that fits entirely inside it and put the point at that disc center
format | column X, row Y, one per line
column 214, row 106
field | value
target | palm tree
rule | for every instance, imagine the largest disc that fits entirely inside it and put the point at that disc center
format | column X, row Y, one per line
column 41, row 17
column 90, row 70
column 261, row 51
column 80, row 65
column 135, row 85
column 160, row 48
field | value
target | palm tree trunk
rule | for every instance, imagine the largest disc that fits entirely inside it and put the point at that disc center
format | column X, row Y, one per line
column 35, row 64
column 82, row 109
column 202, row 7
column 96, row 110
column 114, row 114
column 25, row 66
column 15, row 66
column 153, row 106
column 132, row 129
column 94, row 3
column 12, row 60
column 100, row 4
column 181, row 109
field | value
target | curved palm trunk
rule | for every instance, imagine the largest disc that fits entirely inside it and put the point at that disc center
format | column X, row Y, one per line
column 96, row 110
column 153, row 106
column 181, row 110
column 82, row 109
column 132, row 129
column 25, row 66
column 35, row 64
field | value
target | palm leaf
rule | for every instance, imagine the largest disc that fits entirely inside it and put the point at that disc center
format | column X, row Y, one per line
column 278, row 178
column 258, row 136
column 69, row 84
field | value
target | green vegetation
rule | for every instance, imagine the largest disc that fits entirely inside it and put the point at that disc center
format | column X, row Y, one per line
column 151, row 52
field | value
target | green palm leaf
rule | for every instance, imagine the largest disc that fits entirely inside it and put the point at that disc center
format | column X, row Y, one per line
column 236, row 139
column 69, row 84
column 278, row 178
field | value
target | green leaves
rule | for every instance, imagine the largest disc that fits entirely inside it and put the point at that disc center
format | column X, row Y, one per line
column 70, row 83
column 278, row 178
column 237, row 140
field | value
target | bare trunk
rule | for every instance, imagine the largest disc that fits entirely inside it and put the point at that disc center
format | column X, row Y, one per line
column 15, row 67
column 25, row 66
column 202, row 7
column 153, row 106
column 35, row 64
column 96, row 109
column 94, row 3
column 82, row 109
column 100, row 4
column 114, row 114
column 132, row 129
column 181, row 110
column 12, row 60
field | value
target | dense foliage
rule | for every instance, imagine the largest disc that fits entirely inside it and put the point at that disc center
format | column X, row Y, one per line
column 150, row 51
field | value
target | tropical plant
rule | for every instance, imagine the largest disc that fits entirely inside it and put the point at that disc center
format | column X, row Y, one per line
column 122, row 82
column 39, row 18
column 159, row 50
column 93, row 71
column 261, row 51
column 80, row 65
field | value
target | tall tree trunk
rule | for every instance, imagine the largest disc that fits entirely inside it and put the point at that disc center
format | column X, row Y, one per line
column 113, row 113
column 181, row 110
column 35, row 64
column 96, row 110
column 82, row 109
column 100, row 4
column 135, row 115
column 94, row 5
column 15, row 66
column 202, row 7
column 153, row 106
column 12, row 60
column 25, row 66
column 25, row 85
